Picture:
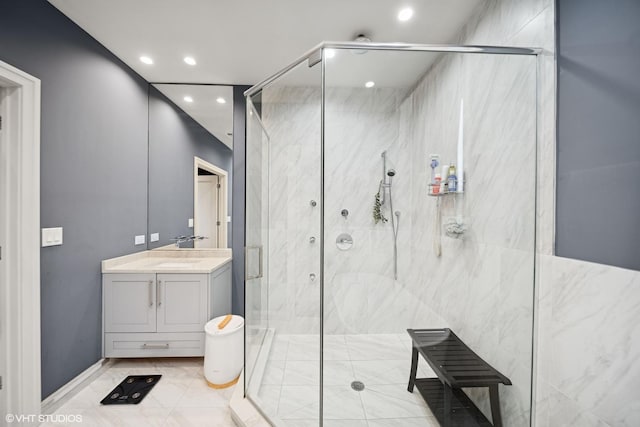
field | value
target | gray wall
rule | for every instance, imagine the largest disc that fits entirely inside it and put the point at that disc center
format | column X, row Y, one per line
column 94, row 157
column 174, row 139
column 93, row 173
column 598, row 187
column 237, row 221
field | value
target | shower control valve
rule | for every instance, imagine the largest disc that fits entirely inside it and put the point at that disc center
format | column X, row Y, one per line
column 344, row 213
column 312, row 239
column 312, row 277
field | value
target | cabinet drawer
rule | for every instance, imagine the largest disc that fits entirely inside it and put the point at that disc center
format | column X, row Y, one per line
column 154, row 344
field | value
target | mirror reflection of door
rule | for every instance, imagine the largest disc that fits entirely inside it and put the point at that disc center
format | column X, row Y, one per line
column 210, row 205
column 207, row 213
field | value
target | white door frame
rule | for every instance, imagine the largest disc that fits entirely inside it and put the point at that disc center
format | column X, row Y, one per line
column 20, row 223
column 199, row 163
column 209, row 182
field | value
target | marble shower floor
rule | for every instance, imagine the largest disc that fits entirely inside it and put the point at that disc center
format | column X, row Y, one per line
column 181, row 398
column 289, row 391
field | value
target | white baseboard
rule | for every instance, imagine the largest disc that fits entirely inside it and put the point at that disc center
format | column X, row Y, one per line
column 51, row 403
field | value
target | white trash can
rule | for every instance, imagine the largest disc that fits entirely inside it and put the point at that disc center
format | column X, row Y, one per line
column 223, row 354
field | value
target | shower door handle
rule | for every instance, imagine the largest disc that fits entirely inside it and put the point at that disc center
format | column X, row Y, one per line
column 247, row 252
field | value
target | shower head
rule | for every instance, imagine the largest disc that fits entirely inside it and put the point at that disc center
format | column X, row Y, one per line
column 391, row 172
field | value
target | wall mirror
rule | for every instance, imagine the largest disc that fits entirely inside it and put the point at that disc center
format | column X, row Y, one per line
column 190, row 157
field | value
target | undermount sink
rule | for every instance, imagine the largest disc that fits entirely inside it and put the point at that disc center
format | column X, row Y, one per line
column 174, row 264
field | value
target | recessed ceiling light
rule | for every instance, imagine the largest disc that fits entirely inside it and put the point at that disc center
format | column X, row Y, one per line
column 221, row 100
column 369, row 84
column 405, row 14
column 188, row 98
column 189, row 60
column 146, row 60
column 329, row 53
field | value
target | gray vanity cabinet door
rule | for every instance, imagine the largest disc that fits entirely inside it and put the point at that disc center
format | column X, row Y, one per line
column 129, row 302
column 182, row 302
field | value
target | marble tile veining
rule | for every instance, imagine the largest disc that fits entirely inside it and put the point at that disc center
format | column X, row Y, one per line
column 589, row 339
column 480, row 286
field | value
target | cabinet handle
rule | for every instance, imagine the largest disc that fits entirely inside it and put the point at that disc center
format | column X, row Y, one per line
column 154, row 346
column 150, row 293
column 159, row 293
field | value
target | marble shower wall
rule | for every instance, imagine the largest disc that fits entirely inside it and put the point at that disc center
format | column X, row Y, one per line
column 485, row 279
column 361, row 124
column 528, row 23
column 588, row 345
column 360, row 293
column 588, row 314
column 292, row 118
column 481, row 286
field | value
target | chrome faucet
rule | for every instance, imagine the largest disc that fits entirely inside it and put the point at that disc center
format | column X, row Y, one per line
column 183, row 239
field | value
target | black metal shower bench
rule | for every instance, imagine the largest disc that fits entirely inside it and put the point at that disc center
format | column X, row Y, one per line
column 456, row 366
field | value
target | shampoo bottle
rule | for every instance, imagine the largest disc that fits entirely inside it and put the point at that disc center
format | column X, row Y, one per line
column 452, row 179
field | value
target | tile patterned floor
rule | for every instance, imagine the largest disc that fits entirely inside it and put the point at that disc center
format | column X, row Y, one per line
column 289, row 391
column 181, row 398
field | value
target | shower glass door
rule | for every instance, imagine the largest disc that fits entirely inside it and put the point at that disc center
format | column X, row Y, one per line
column 256, row 237
column 283, row 217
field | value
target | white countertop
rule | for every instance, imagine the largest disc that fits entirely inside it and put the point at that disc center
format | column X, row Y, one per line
column 169, row 261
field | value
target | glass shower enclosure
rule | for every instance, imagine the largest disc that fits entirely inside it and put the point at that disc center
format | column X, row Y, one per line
column 391, row 187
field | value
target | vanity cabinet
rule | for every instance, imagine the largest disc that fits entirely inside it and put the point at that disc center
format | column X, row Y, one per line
column 162, row 314
column 128, row 302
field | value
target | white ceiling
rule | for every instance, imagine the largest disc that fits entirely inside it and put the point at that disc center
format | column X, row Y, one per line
column 215, row 117
column 246, row 41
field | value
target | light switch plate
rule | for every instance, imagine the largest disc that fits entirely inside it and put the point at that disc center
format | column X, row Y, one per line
column 154, row 237
column 229, row 219
column 190, row 222
column 51, row 236
column 139, row 240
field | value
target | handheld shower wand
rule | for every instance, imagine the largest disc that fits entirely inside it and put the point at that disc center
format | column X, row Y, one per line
column 395, row 224
column 383, row 181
